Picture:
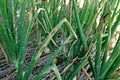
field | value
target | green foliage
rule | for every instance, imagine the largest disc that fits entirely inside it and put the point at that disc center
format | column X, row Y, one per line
column 80, row 31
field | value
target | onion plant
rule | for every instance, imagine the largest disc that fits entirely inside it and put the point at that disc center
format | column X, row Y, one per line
column 86, row 33
column 15, row 32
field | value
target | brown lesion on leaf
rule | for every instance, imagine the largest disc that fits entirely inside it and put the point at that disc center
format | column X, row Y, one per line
column 53, row 32
column 116, row 74
column 43, row 0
